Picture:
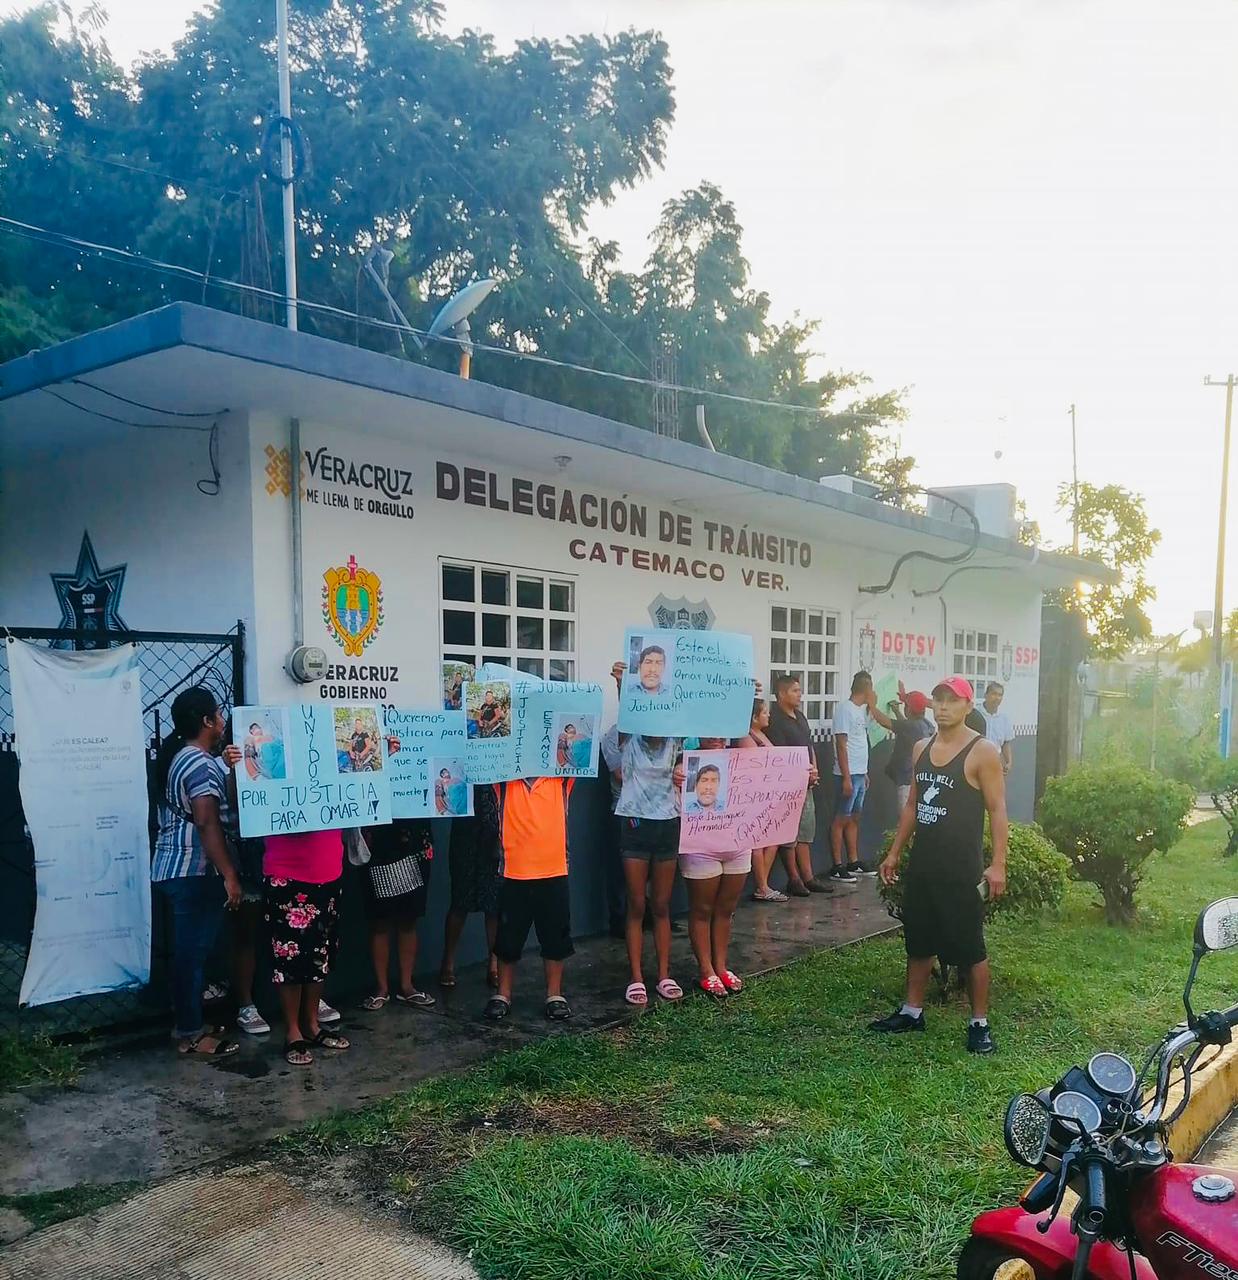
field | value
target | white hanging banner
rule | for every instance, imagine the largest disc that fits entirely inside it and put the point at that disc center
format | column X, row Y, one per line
column 78, row 721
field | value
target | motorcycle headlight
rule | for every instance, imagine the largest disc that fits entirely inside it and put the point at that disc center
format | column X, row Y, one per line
column 1027, row 1130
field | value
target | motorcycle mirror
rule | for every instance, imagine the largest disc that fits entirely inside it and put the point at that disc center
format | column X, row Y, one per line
column 1217, row 926
column 1027, row 1129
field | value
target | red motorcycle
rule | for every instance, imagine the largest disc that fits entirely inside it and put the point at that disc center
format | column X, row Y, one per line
column 1100, row 1133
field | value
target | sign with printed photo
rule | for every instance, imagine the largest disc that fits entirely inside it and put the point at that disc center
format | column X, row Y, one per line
column 743, row 798
column 429, row 778
column 681, row 683
column 549, row 728
column 311, row 767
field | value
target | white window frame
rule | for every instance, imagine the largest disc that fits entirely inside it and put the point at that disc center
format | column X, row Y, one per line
column 818, row 700
column 974, row 654
column 530, row 658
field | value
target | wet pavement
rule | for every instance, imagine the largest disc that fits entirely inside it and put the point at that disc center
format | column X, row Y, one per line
column 141, row 1112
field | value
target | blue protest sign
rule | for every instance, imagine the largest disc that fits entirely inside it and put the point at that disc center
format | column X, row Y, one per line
column 311, row 767
column 680, row 683
column 428, row 773
column 529, row 728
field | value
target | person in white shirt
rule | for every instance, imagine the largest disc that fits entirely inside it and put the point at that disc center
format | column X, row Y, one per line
column 851, row 720
column 998, row 729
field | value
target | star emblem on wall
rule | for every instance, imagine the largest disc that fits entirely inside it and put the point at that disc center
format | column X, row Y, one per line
column 90, row 597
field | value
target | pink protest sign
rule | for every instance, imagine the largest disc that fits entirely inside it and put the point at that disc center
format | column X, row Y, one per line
column 743, row 798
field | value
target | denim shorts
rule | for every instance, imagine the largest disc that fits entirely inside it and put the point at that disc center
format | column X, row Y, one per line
column 850, row 806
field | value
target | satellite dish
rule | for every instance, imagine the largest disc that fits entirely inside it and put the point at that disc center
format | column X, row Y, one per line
column 452, row 320
column 459, row 306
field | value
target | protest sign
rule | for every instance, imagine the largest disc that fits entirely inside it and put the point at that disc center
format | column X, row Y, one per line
column 523, row 727
column 680, row 683
column 311, row 767
column 82, row 748
column 428, row 774
column 454, row 676
column 745, row 798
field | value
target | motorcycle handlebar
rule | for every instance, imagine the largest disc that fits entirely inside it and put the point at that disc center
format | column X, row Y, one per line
column 1095, row 1207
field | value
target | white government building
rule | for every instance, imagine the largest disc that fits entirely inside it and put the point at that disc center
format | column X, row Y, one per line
column 458, row 521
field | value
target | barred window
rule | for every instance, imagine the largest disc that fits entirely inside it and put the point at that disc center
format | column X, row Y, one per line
column 803, row 642
column 523, row 618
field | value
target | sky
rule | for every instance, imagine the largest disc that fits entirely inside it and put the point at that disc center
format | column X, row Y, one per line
column 1002, row 206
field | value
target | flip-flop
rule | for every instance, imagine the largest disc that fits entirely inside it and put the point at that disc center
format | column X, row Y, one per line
column 372, row 1004
column 301, row 1047
column 446, row 979
column 222, row 1049
column 637, row 994
column 712, row 986
column 496, row 1009
column 417, row 999
column 732, row 981
column 669, row 989
column 558, row 1009
column 330, row 1040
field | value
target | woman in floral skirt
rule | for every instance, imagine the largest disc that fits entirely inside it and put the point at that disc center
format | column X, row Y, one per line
column 303, row 875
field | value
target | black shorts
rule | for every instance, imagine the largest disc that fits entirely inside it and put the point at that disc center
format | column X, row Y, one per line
column 649, row 839
column 543, row 904
column 944, row 917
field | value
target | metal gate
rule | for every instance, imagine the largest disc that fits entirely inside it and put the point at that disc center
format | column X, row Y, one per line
column 170, row 661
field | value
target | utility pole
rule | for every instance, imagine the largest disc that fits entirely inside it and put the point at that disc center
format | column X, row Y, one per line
column 1074, row 466
column 1218, row 616
column 285, row 164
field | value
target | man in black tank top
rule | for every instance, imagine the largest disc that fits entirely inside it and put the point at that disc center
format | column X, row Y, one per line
column 957, row 776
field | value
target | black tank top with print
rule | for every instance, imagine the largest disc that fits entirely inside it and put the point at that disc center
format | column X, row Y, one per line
column 949, row 837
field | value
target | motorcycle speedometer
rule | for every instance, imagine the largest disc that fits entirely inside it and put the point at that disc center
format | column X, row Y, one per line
column 1112, row 1074
column 1078, row 1106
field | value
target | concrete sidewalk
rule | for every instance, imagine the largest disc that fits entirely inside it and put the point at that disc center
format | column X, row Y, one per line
column 250, row 1223
column 144, row 1113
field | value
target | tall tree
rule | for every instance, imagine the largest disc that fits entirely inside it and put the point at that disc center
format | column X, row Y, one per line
column 462, row 160
column 1114, row 530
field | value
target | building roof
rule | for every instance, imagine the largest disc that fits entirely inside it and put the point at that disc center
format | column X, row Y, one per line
column 189, row 359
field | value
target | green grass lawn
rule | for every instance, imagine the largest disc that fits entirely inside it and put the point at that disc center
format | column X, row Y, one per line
column 26, row 1060
column 772, row 1137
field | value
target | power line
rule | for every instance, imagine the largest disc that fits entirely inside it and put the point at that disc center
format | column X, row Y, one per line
column 138, row 404
column 63, row 240
column 128, row 166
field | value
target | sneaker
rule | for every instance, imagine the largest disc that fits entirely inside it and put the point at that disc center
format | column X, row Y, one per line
column 840, row 875
column 898, row 1022
column 818, row 886
column 249, row 1019
column 326, row 1013
column 979, row 1038
column 859, row 869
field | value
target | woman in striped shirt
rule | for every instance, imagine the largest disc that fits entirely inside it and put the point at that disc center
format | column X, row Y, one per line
column 194, row 869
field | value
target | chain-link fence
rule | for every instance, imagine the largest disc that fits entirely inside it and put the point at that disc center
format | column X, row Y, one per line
column 170, row 662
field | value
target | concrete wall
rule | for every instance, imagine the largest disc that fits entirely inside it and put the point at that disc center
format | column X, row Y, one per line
column 187, row 554
column 199, row 563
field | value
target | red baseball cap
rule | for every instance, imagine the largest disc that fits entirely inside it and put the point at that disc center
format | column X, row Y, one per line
column 916, row 702
column 958, row 686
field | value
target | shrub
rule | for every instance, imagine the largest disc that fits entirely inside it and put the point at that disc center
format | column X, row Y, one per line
column 1036, row 873
column 1222, row 785
column 1108, row 820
